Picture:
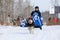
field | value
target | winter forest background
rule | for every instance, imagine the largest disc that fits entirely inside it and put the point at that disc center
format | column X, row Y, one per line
column 14, row 8
column 23, row 8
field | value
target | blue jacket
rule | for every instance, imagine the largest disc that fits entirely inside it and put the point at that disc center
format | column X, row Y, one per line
column 36, row 15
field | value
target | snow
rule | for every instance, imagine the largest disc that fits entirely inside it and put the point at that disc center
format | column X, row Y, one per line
column 18, row 33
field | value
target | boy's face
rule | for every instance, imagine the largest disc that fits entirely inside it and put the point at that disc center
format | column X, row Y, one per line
column 36, row 9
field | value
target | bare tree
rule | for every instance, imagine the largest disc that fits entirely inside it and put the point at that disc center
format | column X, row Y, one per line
column 14, row 8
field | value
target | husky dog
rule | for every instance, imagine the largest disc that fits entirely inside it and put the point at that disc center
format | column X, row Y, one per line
column 30, row 25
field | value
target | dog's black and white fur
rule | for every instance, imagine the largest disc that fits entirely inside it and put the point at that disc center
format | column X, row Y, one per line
column 30, row 25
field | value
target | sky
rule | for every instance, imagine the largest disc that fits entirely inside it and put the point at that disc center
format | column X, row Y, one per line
column 44, row 5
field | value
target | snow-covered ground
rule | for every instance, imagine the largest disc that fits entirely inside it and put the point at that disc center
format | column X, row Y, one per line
column 18, row 33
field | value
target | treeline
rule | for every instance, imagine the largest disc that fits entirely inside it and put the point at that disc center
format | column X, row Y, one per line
column 14, row 9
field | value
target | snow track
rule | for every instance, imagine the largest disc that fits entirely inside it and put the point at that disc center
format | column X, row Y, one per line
column 18, row 33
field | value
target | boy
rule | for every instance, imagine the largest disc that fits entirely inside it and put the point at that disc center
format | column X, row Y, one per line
column 36, row 16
